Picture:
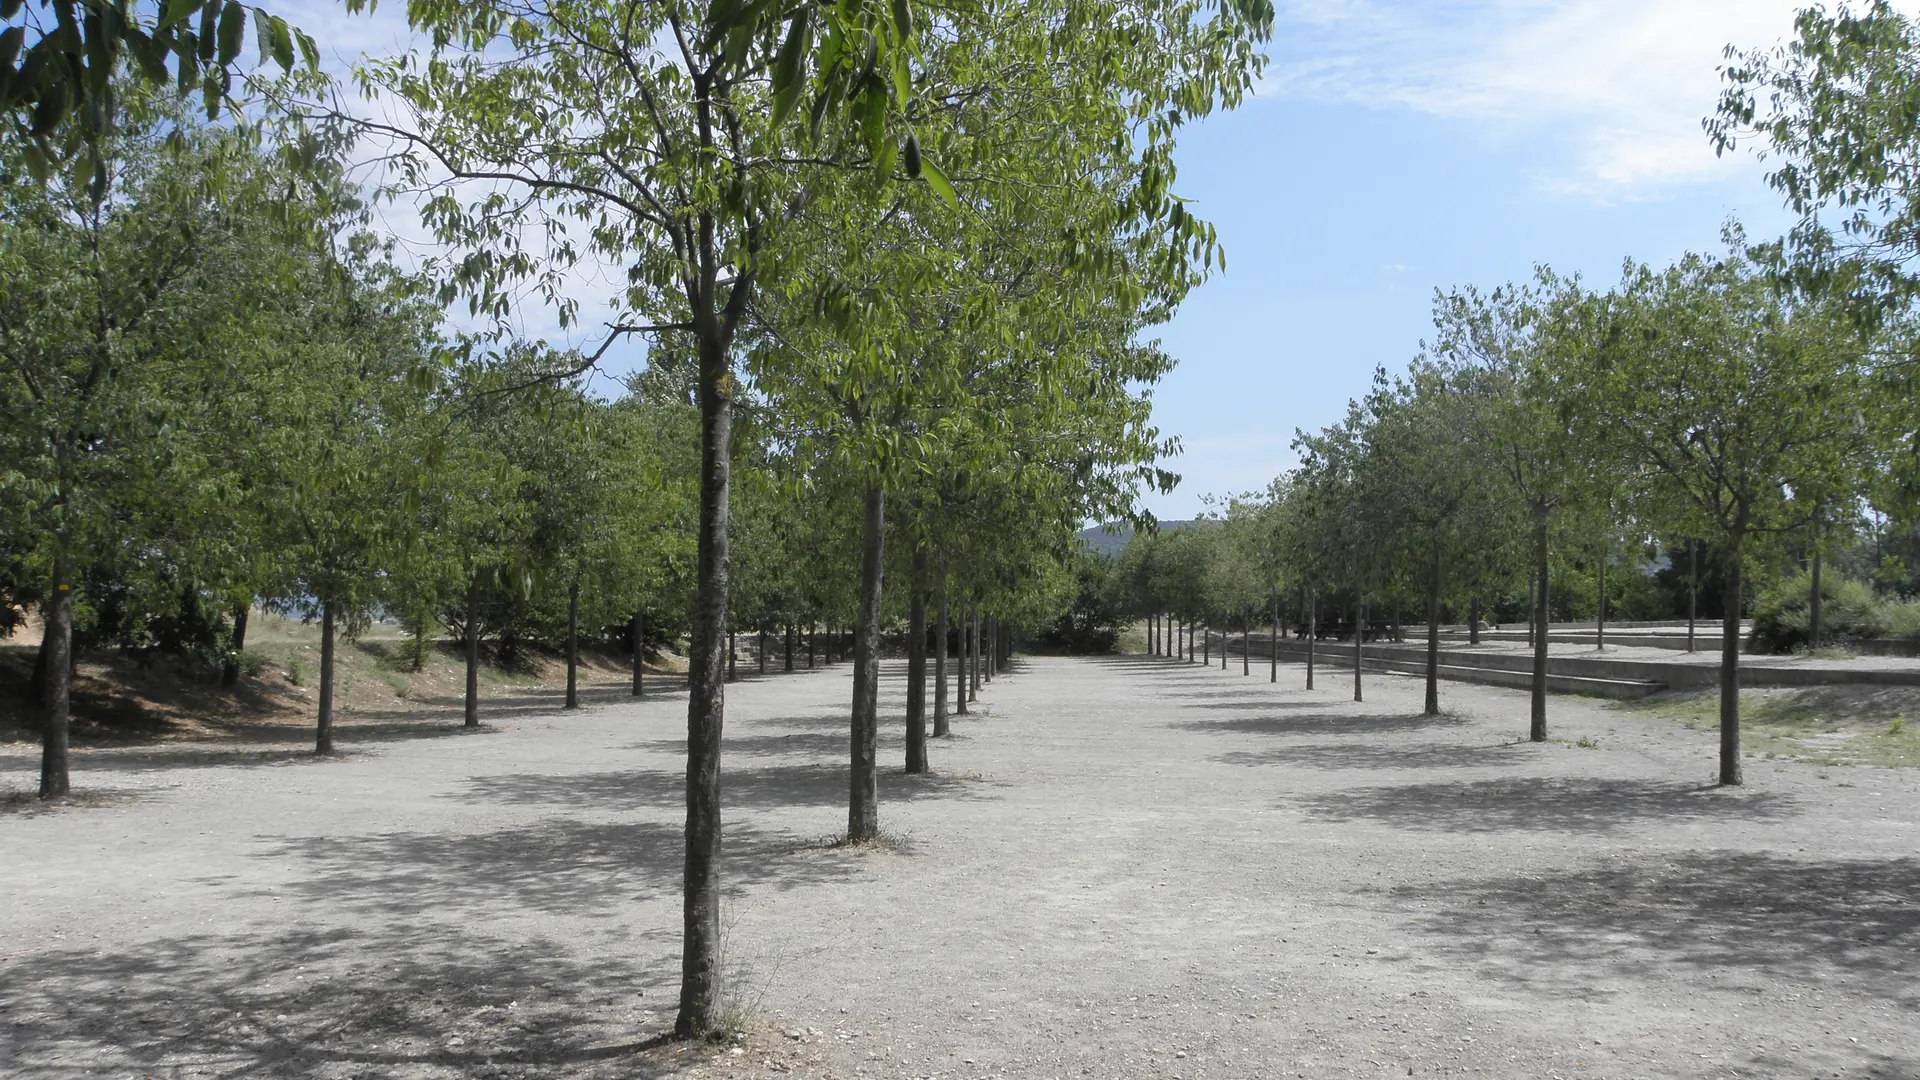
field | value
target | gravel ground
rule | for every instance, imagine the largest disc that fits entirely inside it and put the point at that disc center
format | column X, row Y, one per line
column 1124, row 868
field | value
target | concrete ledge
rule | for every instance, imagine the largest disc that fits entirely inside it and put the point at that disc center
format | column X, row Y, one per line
column 1585, row 675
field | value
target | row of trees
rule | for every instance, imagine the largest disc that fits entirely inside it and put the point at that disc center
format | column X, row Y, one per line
column 893, row 268
column 1748, row 410
column 1697, row 410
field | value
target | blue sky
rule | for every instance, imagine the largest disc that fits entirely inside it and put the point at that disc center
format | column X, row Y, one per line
column 1396, row 147
column 1400, row 147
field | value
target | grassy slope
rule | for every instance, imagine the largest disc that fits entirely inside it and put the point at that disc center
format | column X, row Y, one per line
column 1822, row 725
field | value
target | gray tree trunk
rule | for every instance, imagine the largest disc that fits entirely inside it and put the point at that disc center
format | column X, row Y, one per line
column 942, row 725
column 1813, row 601
column 323, row 736
column 917, row 665
column 706, row 697
column 1730, row 771
column 471, row 706
column 639, row 653
column 57, row 647
column 573, row 646
column 230, row 673
column 1359, row 643
column 1600, row 623
column 1273, row 642
column 1433, row 643
column 1537, row 730
column 1693, row 589
column 1313, row 632
column 863, row 801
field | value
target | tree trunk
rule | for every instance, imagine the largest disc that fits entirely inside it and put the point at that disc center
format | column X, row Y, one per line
column 788, row 665
column 917, row 665
column 323, row 737
column 1730, row 772
column 1813, row 601
column 1313, row 632
column 1473, row 620
column 1206, row 646
column 1537, row 730
column 863, row 806
column 733, row 656
column 230, row 674
column 1693, row 589
column 960, row 675
column 472, row 704
column 706, row 700
column 1359, row 643
column 987, row 650
column 419, row 647
column 573, row 646
column 1433, row 641
column 813, row 643
column 639, row 653
column 942, row 726
column 973, row 652
column 1600, row 624
column 57, row 647
column 1273, row 641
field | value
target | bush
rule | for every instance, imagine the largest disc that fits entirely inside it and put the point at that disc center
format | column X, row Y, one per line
column 1848, row 612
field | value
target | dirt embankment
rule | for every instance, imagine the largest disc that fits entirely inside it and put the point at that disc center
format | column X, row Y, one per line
column 380, row 678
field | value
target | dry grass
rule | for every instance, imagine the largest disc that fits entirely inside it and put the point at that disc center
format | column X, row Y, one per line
column 1820, row 725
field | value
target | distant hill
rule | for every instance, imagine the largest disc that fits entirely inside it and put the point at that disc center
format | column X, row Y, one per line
column 1109, row 539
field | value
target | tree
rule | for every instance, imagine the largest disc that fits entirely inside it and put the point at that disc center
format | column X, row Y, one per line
column 1743, row 401
column 1509, row 352
column 198, row 251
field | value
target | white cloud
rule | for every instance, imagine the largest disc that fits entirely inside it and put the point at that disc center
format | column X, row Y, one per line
column 1614, row 89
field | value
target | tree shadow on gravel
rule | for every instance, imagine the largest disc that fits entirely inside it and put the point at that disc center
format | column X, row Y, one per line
column 827, row 745
column 1543, row 804
column 1309, row 722
column 1640, row 916
column 1376, row 757
column 405, row 1001
column 558, row 866
column 758, row 787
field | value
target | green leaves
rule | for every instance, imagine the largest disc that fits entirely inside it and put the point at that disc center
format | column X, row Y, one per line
column 233, row 24
column 789, row 68
column 941, row 186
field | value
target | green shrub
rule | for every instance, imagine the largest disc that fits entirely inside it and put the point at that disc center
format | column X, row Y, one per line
column 1848, row 612
column 253, row 662
column 1902, row 618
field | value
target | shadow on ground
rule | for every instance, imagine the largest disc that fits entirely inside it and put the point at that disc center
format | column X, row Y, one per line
column 1541, row 804
column 1375, row 757
column 560, row 866
column 759, row 787
column 408, row 1000
column 1640, row 917
column 1312, row 718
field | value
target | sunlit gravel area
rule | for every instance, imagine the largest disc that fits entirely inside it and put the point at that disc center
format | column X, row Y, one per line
column 1122, row 867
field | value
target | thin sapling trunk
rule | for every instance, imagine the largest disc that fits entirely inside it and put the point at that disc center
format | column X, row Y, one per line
column 57, row 648
column 323, row 736
column 863, row 803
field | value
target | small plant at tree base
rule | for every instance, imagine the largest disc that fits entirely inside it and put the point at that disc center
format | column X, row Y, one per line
column 253, row 663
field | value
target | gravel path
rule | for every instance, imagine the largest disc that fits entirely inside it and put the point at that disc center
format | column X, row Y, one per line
column 1124, row 868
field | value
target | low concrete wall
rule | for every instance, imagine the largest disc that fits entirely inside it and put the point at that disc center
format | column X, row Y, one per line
column 1576, row 674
